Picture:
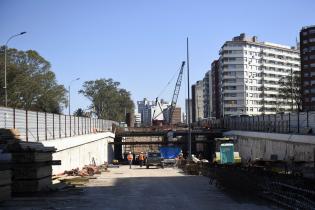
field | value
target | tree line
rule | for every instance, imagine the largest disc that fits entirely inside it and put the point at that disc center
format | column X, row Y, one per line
column 32, row 85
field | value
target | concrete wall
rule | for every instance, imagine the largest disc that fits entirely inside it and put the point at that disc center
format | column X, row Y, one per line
column 252, row 145
column 80, row 150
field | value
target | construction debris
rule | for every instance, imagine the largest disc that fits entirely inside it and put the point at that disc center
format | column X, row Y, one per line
column 80, row 177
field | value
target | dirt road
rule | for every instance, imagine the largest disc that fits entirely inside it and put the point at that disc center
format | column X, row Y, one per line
column 140, row 188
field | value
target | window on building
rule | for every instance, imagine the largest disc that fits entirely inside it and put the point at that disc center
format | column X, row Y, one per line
column 312, row 40
column 312, row 57
column 312, row 64
column 304, row 33
column 306, row 74
column 305, row 58
column 312, row 31
column 305, row 41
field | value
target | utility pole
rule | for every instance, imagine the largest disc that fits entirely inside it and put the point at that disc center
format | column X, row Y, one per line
column 291, row 90
column 189, row 126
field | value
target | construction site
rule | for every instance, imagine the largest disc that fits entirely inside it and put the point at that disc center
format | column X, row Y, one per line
column 51, row 161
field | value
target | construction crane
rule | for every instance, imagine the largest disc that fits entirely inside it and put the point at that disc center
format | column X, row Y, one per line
column 176, row 92
column 174, row 98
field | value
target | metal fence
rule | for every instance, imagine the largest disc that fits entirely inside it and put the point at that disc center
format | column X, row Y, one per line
column 297, row 122
column 41, row 126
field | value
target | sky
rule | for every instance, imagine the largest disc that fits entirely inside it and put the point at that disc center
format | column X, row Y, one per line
column 141, row 43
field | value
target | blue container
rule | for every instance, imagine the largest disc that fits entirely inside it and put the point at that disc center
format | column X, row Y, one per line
column 227, row 153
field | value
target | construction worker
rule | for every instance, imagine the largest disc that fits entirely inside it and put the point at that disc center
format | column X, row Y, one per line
column 130, row 158
column 141, row 159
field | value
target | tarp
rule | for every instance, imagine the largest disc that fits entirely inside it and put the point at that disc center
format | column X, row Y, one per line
column 170, row 152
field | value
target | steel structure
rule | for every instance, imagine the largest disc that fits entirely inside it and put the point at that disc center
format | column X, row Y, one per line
column 176, row 92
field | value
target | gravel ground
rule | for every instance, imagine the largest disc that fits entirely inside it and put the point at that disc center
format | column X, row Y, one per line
column 140, row 188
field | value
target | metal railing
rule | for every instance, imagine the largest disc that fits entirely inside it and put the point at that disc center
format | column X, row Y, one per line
column 41, row 126
column 296, row 122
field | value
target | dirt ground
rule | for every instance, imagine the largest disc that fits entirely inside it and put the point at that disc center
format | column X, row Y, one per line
column 140, row 188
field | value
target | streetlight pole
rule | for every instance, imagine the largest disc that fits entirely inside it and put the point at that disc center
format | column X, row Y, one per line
column 5, row 66
column 69, row 92
column 189, row 124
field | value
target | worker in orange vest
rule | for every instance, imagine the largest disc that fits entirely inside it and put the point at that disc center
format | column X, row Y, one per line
column 141, row 159
column 130, row 158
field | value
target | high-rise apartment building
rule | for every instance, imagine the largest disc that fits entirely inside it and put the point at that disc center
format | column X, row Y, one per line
column 177, row 115
column 149, row 111
column 307, row 49
column 197, row 101
column 207, row 95
column 249, row 73
column 215, row 89
column 186, row 110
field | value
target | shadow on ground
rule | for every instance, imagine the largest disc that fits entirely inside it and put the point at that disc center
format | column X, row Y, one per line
column 154, row 193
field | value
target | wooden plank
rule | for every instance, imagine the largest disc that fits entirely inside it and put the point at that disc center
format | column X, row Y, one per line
column 31, row 157
column 24, row 186
column 20, row 146
column 5, row 192
column 5, row 177
column 24, row 173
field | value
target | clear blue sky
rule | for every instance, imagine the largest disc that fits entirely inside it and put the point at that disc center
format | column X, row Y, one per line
column 141, row 43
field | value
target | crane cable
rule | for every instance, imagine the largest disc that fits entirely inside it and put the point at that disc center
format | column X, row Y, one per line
column 168, row 83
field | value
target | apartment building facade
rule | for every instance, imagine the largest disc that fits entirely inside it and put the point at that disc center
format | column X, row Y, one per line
column 307, row 50
column 149, row 110
column 249, row 74
column 207, row 95
column 197, row 101
column 216, row 90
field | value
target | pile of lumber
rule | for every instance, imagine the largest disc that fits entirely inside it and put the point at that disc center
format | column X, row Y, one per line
column 31, row 166
column 5, row 184
column 80, row 176
column 87, row 170
column 30, row 162
column 9, row 134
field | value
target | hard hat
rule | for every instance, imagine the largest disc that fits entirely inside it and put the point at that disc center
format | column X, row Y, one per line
column 141, row 152
column 129, row 152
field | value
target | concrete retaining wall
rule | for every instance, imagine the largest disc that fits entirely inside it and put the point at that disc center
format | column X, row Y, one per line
column 81, row 150
column 252, row 145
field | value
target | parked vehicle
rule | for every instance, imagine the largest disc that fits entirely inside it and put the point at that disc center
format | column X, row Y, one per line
column 154, row 159
column 169, row 154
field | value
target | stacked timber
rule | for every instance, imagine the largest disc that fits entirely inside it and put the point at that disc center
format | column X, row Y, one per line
column 5, row 184
column 31, row 166
column 5, row 176
column 31, row 163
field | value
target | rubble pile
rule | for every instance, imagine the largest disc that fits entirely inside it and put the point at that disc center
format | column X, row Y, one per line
column 80, row 176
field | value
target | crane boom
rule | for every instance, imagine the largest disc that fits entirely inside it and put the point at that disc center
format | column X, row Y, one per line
column 176, row 92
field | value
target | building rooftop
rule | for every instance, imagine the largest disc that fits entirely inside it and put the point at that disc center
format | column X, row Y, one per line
column 307, row 27
column 254, row 39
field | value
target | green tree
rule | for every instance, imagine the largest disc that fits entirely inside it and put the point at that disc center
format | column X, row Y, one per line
column 79, row 113
column 108, row 100
column 290, row 90
column 30, row 82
